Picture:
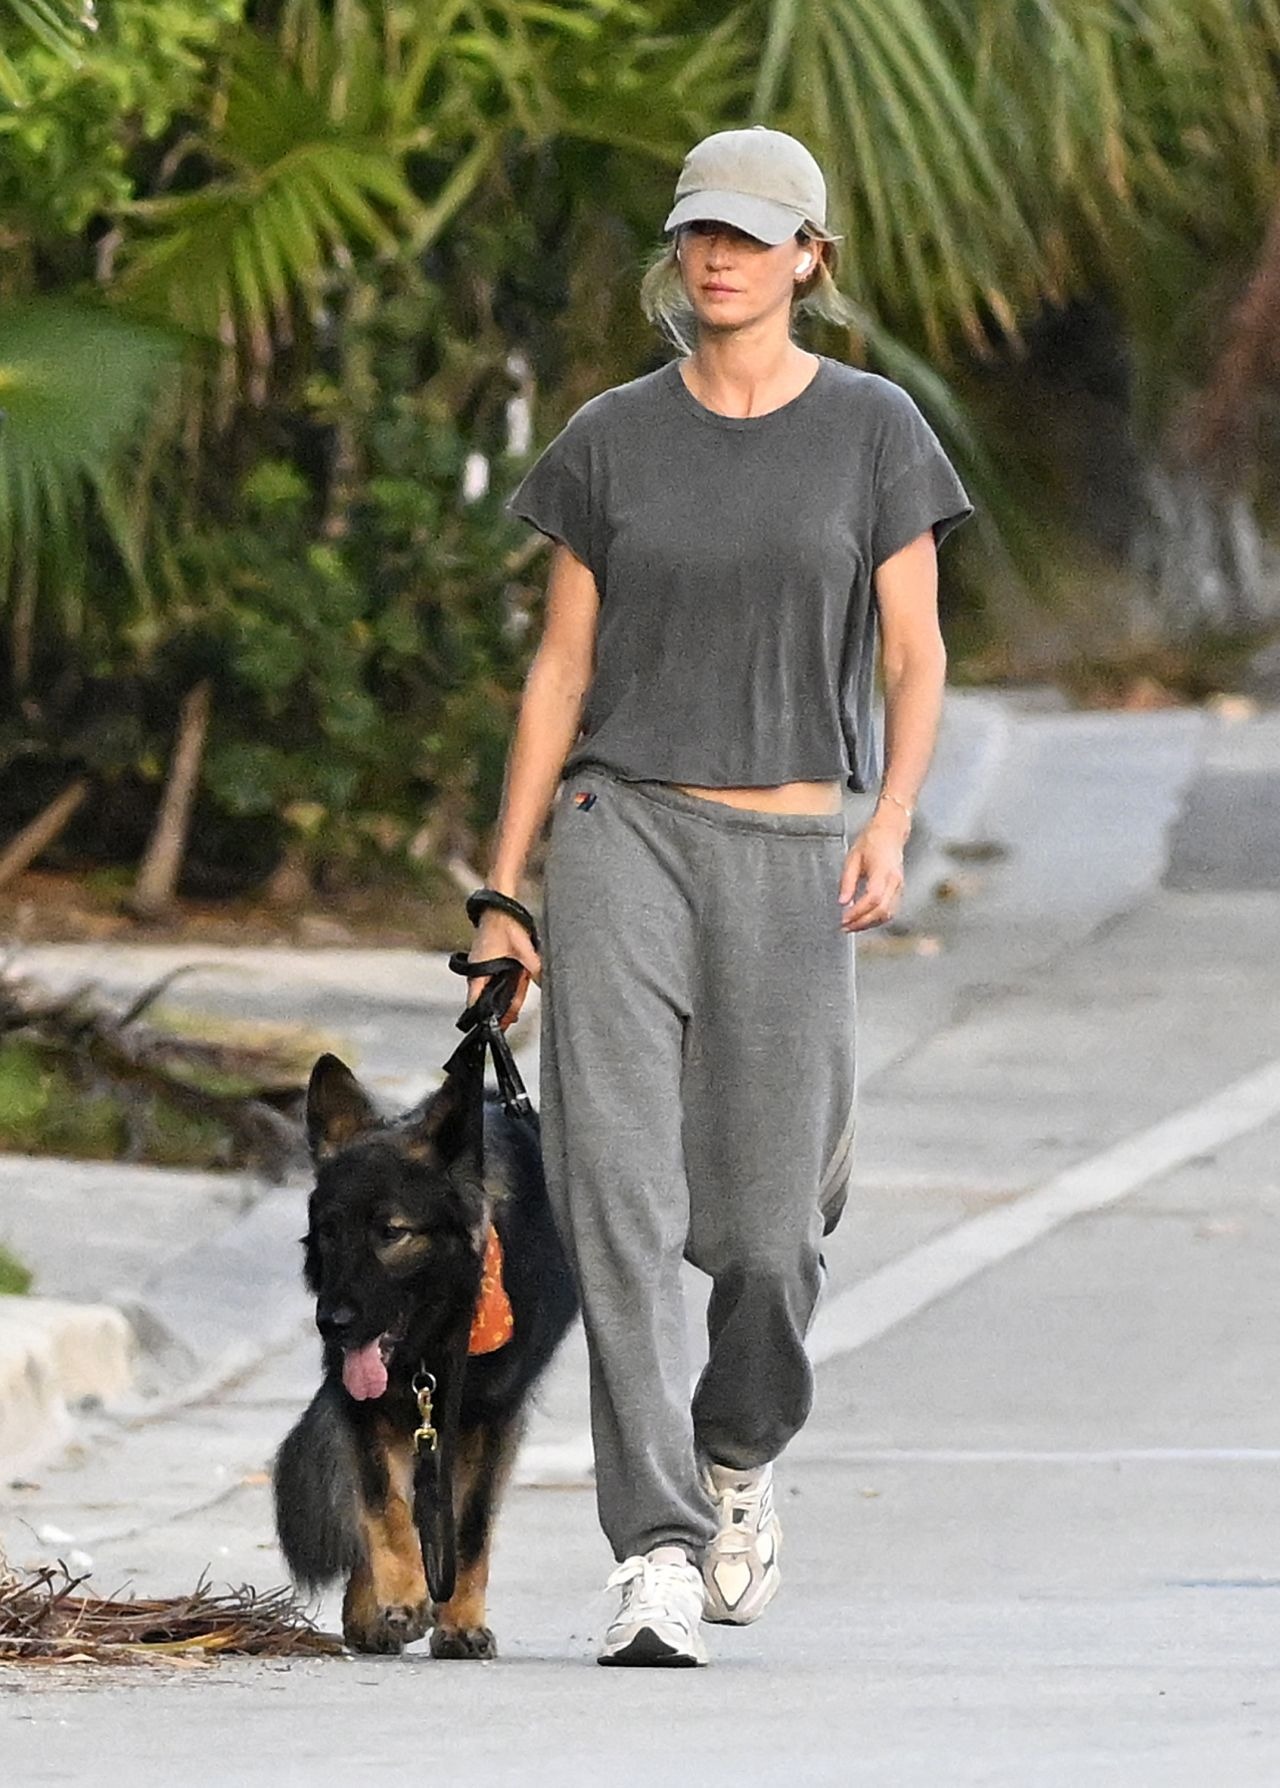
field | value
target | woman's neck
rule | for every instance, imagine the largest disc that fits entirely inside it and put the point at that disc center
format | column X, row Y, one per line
column 741, row 377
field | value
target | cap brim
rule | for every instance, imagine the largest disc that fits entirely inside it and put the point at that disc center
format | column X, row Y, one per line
column 763, row 218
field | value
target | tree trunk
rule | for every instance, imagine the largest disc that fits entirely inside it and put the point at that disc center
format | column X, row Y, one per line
column 1206, row 565
column 158, row 876
column 24, row 620
column 23, row 850
column 1210, row 563
column 289, row 883
column 1173, row 513
column 1220, row 428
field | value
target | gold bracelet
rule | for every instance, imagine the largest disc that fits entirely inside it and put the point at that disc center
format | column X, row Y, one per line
column 886, row 796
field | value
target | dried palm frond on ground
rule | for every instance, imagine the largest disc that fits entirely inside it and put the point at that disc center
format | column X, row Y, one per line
column 44, row 1621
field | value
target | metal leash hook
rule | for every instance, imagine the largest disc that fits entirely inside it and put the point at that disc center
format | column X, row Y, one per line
column 424, row 1384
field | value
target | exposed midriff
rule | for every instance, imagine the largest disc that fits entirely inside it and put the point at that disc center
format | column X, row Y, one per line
column 780, row 797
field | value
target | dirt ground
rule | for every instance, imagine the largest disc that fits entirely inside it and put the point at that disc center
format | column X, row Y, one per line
column 48, row 907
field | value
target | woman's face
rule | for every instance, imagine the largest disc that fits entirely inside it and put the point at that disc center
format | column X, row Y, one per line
column 732, row 278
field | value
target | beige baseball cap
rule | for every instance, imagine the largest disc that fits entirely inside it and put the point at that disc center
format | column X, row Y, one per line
column 758, row 179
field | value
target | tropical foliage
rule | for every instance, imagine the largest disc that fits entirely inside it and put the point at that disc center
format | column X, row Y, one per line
column 58, row 24
column 285, row 284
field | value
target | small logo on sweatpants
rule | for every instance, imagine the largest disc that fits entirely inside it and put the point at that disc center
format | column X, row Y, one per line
column 584, row 798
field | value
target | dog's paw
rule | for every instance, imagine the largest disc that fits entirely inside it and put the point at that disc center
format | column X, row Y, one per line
column 463, row 1642
column 389, row 1630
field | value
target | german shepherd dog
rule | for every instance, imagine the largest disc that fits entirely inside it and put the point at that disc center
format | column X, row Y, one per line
column 394, row 1250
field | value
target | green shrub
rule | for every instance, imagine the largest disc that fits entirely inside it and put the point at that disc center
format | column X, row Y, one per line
column 15, row 1279
column 45, row 1111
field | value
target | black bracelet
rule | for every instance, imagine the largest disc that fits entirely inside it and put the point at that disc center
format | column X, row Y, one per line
column 483, row 897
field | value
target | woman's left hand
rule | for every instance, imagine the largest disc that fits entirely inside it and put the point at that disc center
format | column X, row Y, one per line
column 873, row 872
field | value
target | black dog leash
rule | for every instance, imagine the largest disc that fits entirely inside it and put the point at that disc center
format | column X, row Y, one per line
column 435, row 1445
column 484, row 1016
column 435, row 1450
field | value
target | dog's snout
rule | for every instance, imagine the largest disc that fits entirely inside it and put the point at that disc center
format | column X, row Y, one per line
column 334, row 1320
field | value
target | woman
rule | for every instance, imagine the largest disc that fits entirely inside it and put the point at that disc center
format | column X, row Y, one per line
column 727, row 529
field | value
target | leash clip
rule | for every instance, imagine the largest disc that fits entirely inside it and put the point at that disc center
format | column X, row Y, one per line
column 424, row 1385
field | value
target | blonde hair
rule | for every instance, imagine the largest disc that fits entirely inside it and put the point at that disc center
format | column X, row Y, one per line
column 663, row 299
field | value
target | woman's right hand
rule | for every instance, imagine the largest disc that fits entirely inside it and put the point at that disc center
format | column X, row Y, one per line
column 498, row 934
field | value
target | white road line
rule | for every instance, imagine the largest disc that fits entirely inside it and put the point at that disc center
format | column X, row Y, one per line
column 1030, row 1456
column 905, row 1286
column 564, row 1464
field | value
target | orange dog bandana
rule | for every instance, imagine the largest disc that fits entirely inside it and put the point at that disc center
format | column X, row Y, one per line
column 493, row 1324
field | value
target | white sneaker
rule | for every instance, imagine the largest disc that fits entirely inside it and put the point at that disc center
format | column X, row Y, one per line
column 740, row 1572
column 658, row 1620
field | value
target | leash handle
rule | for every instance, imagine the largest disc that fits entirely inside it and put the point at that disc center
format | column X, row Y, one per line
column 482, row 1018
column 503, row 903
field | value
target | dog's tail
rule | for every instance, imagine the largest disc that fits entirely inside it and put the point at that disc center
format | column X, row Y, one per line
column 316, row 1480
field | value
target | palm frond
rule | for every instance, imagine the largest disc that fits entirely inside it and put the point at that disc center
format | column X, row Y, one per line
column 76, row 382
column 876, row 87
column 44, row 1621
column 60, row 25
column 987, row 154
column 237, row 252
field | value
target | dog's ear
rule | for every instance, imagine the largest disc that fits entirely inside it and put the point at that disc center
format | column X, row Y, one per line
column 338, row 1108
column 448, row 1127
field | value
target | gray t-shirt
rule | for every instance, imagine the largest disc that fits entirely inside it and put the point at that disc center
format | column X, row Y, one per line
column 735, row 644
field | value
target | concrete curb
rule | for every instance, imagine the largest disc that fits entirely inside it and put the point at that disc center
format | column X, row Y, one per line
column 53, row 1356
column 379, row 975
column 31, row 1176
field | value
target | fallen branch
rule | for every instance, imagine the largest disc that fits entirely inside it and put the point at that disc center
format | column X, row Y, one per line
column 40, row 833
column 249, row 1094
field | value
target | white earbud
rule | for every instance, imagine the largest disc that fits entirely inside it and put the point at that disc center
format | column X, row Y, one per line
column 805, row 264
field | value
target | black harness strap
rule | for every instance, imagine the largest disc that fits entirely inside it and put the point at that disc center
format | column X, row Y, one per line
column 434, row 1513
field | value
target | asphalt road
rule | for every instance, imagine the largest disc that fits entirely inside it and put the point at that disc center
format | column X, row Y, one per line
column 1029, row 1529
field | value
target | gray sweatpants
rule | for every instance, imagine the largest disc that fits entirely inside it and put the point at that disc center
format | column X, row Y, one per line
column 697, row 1099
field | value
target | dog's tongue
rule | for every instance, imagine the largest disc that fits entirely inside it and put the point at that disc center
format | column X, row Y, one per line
column 363, row 1371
